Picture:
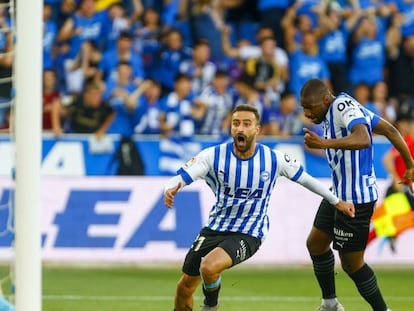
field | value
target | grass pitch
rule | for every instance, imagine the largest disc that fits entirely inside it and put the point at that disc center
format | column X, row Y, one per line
column 243, row 288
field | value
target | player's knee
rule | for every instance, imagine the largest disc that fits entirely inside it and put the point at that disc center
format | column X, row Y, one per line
column 207, row 267
column 317, row 244
column 351, row 267
column 309, row 244
column 351, row 264
column 314, row 248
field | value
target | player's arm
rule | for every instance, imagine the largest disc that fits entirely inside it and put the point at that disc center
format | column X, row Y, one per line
column 358, row 139
column 196, row 168
column 317, row 187
column 385, row 128
column 293, row 170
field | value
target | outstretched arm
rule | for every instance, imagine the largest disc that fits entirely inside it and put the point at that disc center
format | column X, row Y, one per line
column 317, row 187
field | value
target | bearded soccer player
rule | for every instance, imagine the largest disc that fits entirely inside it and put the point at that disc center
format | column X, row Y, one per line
column 242, row 175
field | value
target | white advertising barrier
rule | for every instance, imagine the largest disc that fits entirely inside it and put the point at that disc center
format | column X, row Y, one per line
column 123, row 220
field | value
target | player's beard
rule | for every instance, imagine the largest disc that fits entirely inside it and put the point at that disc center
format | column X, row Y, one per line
column 242, row 143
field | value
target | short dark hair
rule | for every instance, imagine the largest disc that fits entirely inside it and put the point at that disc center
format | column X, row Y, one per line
column 313, row 90
column 124, row 62
column 125, row 34
column 249, row 108
column 220, row 73
column 181, row 76
column 246, row 79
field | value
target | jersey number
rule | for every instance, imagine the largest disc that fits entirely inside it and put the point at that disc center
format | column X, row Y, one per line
column 198, row 242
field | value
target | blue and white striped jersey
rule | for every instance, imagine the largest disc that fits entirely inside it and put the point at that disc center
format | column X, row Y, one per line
column 242, row 186
column 353, row 174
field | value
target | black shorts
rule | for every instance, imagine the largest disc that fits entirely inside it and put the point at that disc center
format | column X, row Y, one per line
column 239, row 246
column 348, row 234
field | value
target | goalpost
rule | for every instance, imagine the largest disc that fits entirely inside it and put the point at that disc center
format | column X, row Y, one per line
column 28, row 109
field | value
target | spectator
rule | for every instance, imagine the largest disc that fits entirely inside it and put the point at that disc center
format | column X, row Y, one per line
column 266, row 72
column 306, row 64
column 117, row 90
column 167, row 60
column 84, row 25
column 294, row 26
column 248, row 50
column 175, row 118
column 207, row 19
column 387, row 107
column 54, row 7
column 200, row 69
column 49, row 37
column 401, row 69
column 271, row 14
column 212, row 108
column 406, row 9
column 333, row 33
column 83, row 67
column 393, row 161
column 362, row 94
column 67, row 9
column 51, row 97
column 147, row 32
column 248, row 94
column 87, row 114
column 368, row 53
column 115, row 22
column 126, row 114
column 284, row 120
column 147, row 98
column 123, row 52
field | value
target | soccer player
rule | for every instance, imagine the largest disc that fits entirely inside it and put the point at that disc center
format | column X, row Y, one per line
column 242, row 174
column 348, row 128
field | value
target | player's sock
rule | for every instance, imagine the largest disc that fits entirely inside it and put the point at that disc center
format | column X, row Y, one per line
column 324, row 269
column 367, row 285
column 211, row 292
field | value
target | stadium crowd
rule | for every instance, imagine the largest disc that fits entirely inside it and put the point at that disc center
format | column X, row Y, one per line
column 178, row 67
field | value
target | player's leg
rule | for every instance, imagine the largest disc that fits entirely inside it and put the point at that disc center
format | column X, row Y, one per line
column 323, row 260
column 364, row 278
column 234, row 249
column 184, row 293
column 205, row 242
column 211, row 268
column 350, row 240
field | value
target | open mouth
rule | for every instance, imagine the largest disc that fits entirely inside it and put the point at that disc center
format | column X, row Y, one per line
column 241, row 138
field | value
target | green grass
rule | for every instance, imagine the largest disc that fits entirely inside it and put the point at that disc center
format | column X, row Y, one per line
column 244, row 288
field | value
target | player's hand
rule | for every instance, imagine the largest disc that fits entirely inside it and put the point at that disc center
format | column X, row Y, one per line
column 169, row 195
column 312, row 140
column 346, row 208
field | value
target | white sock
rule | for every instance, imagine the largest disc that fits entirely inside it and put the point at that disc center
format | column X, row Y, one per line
column 329, row 303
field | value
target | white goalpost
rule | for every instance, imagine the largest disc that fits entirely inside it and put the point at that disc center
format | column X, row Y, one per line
column 28, row 109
